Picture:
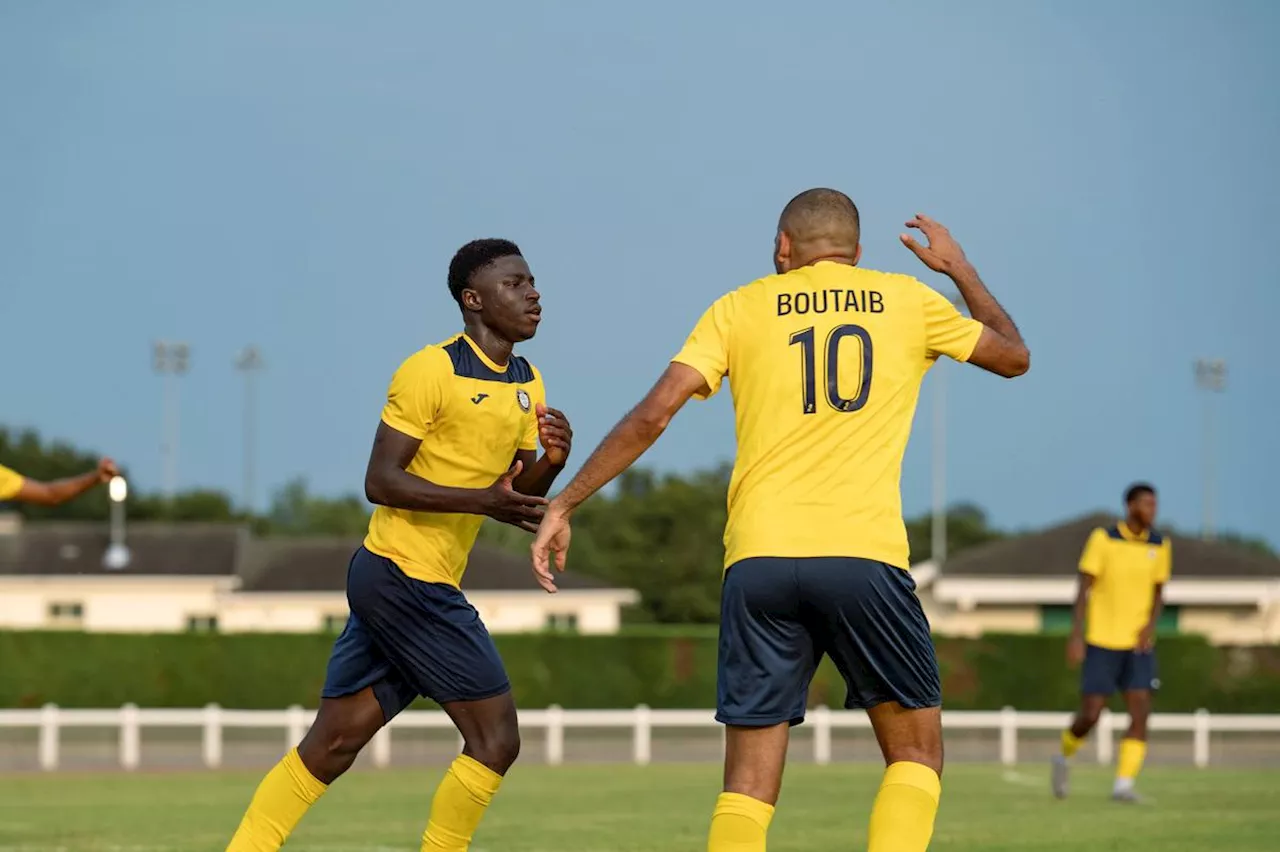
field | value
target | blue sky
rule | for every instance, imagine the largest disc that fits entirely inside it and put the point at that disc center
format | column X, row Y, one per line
column 297, row 175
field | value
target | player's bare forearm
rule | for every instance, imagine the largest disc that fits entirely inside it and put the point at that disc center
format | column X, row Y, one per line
column 59, row 491
column 983, row 306
column 634, row 434
column 388, row 483
column 1081, row 605
column 1157, row 606
column 538, row 475
column 399, row 489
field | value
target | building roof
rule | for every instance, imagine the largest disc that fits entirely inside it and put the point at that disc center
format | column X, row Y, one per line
column 77, row 548
column 320, row 565
column 1055, row 552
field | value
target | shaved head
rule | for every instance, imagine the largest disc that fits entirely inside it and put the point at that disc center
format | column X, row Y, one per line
column 821, row 214
column 817, row 224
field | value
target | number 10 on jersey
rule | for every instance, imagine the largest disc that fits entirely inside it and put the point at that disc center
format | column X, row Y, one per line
column 830, row 367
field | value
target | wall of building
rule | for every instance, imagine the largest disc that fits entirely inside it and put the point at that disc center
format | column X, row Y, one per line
column 139, row 604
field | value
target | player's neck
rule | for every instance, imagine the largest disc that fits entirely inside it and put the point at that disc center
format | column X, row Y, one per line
column 828, row 258
column 1135, row 527
column 495, row 348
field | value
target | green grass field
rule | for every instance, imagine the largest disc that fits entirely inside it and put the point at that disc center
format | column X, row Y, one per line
column 617, row 808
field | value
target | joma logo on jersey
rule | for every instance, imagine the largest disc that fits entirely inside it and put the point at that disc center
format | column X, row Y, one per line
column 479, row 398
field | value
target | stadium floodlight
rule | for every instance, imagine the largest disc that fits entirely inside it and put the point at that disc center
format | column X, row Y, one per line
column 117, row 556
column 171, row 361
column 1211, row 378
column 249, row 362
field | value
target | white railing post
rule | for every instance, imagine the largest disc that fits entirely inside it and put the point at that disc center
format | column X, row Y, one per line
column 382, row 747
column 1009, row 736
column 130, row 739
column 822, row 735
column 295, row 725
column 211, row 743
column 555, row 735
column 1201, row 739
column 642, row 737
column 1103, row 733
column 49, row 737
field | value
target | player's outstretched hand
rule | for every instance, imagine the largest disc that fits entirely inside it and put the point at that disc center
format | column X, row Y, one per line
column 941, row 253
column 107, row 470
column 503, row 503
column 555, row 434
column 553, row 538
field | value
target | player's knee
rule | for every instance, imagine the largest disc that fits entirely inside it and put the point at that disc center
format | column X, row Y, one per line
column 498, row 748
column 328, row 751
column 930, row 756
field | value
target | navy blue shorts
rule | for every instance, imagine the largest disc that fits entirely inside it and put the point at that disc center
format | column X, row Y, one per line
column 407, row 638
column 1106, row 671
column 778, row 617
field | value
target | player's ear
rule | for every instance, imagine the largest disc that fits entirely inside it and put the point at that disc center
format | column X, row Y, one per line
column 857, row 254
column 782, row 252
column 471, row 300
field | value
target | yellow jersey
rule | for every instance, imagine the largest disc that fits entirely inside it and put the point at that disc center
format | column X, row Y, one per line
column 472, row 416
column 10, row 483
column 1126, row 568
column 825, row 364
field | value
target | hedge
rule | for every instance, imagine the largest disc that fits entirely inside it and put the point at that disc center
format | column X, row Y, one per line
column 661, row 670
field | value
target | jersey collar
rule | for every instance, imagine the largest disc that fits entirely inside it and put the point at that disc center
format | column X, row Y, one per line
column 1128, row 534
column 485, row 359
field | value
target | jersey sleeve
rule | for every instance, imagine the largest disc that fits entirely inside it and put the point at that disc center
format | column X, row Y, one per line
column 947, row 331
column 707, row 348
column 1091, row 561
column 537, row 396
column 1164, row 562
column 414, row 398
column 10, row 483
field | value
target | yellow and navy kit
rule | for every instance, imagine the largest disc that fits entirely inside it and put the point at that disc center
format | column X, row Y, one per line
column 825, row 364
column 472, row 416
column 1126, row 568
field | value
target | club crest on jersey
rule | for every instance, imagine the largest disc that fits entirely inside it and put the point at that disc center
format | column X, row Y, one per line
column 522, row 399
column 1151, row 553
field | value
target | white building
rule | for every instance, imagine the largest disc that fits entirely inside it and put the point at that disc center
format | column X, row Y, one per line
column 217, row 577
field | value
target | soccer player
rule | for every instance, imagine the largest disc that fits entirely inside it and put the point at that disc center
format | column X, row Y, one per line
column 825, row 361
column 1119, row 596
column 457, row 442
column 15, row 486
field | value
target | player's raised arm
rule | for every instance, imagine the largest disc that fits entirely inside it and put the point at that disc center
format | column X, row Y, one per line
column 58, row 491
column 550, row 428
column 620, row 449
column 1000, row 349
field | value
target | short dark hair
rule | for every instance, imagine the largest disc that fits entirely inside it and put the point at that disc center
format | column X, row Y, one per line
column 476, row 255
column 821, row 214
column 1137, row 490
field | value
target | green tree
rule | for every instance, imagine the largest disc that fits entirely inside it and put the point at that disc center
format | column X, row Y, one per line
column 295, row 511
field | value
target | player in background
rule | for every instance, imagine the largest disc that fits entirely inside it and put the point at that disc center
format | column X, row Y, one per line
column 457, row 442
column 14, row 486
column 1113, row 633
column 825, row 362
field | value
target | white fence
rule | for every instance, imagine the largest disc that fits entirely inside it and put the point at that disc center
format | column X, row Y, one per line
column 213, row 720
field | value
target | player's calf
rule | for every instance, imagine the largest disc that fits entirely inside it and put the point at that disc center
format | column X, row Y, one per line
column 911, row 742
column 342, row 727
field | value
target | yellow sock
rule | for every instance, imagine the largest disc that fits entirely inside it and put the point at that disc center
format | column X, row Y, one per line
column 1070, row 743
column 280, row 801
column 739, row 824
column 460, row 801
column 1132, row 753
column 902, row 818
